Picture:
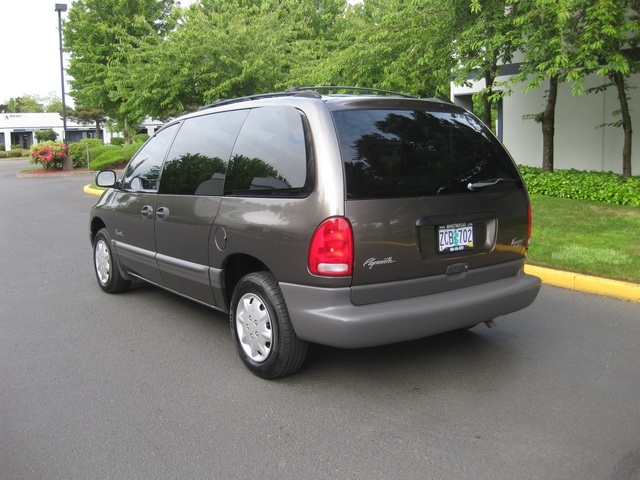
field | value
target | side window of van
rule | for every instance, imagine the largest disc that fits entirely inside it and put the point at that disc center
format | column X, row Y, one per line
column 143, row 171
column 199, row 155
column 270, row 156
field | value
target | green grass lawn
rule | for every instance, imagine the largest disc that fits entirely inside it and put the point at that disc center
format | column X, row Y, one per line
column 586, row 237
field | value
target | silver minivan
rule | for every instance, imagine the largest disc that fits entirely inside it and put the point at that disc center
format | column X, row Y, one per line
column 345, row 220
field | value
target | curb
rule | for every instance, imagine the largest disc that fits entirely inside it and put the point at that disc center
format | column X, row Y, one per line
column 585, row 283
column 572, row 281
column 92, row 191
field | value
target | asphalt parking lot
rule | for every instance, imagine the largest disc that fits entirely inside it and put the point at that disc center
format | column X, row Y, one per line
column 148, row 385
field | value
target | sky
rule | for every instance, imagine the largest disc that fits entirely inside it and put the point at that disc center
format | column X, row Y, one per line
column 30, row 49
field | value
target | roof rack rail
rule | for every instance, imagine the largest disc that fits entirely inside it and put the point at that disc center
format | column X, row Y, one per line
column 310, row 92
column 354, row 89
column 286, row 93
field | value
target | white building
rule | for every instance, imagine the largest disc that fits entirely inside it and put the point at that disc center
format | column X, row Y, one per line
column 578, row 142
column 20, row 128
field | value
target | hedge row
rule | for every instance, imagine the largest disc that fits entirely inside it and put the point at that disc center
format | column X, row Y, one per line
column 78, row 150
column 604, row 187
column 111, row 156
column 95, row 147
column 15, row 153
column 100, row 155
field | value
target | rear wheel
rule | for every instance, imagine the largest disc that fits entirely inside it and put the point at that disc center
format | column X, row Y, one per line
column 105, row 265
column 262, row 330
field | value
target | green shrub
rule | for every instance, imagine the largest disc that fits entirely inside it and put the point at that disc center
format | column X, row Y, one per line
column 3, row 154
column 2, row 147
column 95, row 152
column 78, row 150
column 14, row 153
column 114, row 157
column 91, row 142
column 604, row 187
column 16, row 146
column 117, row 141
column 140, row 138
column 46, row 135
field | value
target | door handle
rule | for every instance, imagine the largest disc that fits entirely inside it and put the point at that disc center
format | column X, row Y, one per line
column 147, row 212
column 162, row 213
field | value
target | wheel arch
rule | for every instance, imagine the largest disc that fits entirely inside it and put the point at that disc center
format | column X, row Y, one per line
column 96, row 225
column 237, row 266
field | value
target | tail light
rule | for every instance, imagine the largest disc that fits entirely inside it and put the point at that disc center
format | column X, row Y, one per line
column 331, row 251
column 529, row 224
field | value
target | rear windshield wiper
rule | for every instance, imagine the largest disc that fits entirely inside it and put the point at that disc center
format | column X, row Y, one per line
column 488, row 183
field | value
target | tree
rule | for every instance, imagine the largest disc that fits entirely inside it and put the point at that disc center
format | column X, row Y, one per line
column 485, row 40
column 34, row 104
column 97, row 33
column 224, row 49
column 548, row 30
column 393, row 45
column 84, row 114
column 25, row 104
column 228, row 48
column 46, row 135
column 54, row 107
column 52, row 103
column 321, row 24
column 566, row 40
column 610, row 33
column 421, row 30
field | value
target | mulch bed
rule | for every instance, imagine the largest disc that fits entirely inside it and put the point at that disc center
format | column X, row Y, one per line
column 54, row 172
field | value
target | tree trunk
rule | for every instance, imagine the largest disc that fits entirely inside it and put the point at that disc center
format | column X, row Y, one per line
column 67, row 163
column 626, row 124
column 98, row 133
column 486, row 103
column 548, row 125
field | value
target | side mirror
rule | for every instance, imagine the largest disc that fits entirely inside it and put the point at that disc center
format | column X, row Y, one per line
column 106, row 178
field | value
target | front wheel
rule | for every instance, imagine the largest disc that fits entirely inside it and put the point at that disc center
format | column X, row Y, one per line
column 262, row 330
column 106, row 268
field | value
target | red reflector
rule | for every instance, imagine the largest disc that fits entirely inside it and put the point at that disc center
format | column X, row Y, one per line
column 331, row 251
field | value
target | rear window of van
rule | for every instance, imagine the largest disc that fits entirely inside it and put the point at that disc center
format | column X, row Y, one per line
column 405, row 153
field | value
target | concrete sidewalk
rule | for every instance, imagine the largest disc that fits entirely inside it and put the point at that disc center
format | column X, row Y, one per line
column 573, row 281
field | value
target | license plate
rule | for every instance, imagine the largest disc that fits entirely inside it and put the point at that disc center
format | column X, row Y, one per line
column 455, row 237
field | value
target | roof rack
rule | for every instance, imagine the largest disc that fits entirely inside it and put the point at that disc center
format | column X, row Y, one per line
column 310, row 92
column 335, row 88
column 286, row 93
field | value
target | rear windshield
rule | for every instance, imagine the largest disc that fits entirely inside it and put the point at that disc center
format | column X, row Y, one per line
column 400, row 153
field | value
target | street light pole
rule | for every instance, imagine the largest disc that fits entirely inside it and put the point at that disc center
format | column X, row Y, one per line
column 62, row 7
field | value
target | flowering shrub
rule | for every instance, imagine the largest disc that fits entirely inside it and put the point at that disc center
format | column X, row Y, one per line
column 49, row 154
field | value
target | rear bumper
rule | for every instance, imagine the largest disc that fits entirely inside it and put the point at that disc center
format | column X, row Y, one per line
column 327, row 316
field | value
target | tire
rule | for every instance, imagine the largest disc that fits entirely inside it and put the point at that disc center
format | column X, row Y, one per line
column 106, row 265
column 262, row 330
